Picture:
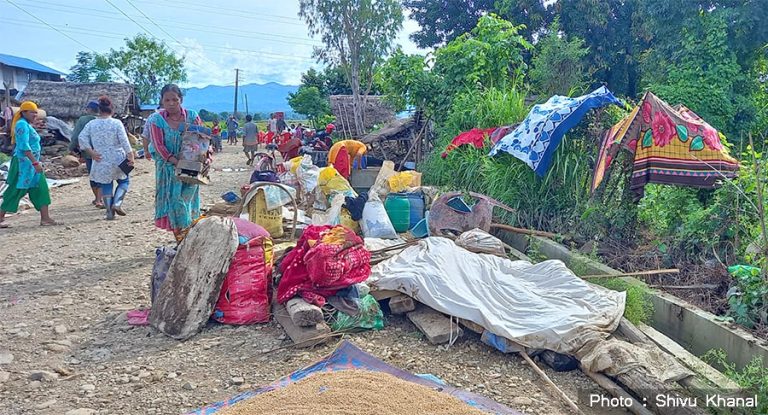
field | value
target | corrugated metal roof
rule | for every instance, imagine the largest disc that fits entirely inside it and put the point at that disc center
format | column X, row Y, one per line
column 147, row 107
column 25, row 63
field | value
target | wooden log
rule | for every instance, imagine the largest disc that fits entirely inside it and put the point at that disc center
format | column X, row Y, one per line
column 186, row 299
column 436, row 327
column 401, row 304
column 689, row 359
column 634, row 406
column 304, row 314
column 651, row 389
column 471, row 326
column 631, row 332
column 301, row 336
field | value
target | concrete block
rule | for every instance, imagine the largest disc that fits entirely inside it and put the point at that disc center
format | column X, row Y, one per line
column 436, row 327
column 304, row 314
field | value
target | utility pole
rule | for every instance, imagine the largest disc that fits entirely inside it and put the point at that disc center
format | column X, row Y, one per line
column 246, row 103
column 237, row 83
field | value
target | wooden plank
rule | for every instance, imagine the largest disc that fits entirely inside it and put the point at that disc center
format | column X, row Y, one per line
column 304, row 314
column 384, row 294
column 186, row 299
column 401, row 304
column 301, row 336
column 436, row 327
column 631, row 332
column 689, row 359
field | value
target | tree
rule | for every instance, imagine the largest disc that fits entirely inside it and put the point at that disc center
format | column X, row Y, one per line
column 443, row 21
column 612, row 31
column 407, row 82
column 488, row 56
column 90, row 67
column 309, row 101
column 148, row 65
column 558, row 64
column 356, row 35
column 224, row 115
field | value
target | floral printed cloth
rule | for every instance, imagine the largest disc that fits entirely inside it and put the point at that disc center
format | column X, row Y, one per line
column 670, row 146
column 535, row 140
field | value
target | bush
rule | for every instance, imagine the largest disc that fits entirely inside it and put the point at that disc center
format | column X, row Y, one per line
column 753, row 378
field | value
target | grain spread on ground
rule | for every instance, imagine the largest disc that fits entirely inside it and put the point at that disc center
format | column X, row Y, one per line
column 350, row 392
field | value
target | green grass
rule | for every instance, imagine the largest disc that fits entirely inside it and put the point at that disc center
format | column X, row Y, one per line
column 638, row 308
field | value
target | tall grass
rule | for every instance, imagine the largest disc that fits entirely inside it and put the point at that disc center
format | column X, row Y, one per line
column 553, row 202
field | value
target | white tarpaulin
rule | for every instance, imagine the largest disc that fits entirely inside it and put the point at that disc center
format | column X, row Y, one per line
column 541, row 306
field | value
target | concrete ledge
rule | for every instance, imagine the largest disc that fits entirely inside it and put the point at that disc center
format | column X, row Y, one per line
column 698, row 331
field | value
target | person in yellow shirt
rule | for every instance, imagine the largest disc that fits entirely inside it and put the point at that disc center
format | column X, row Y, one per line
column 343, row 160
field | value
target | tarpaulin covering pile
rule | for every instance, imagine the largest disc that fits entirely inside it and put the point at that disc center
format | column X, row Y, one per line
column 535, row 140
column 349, row 357
column 500, row 294
column 670, row 146
column 244, row 296
column 326, row 259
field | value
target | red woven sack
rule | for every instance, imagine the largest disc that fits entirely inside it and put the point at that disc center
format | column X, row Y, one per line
column 245, row 295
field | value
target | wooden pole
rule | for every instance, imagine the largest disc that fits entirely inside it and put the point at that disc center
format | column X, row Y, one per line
column 629, row 274
column 237, row 83
column 549, row 382
column 523, row 231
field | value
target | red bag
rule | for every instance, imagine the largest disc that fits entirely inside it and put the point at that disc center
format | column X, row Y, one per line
column 245, row 295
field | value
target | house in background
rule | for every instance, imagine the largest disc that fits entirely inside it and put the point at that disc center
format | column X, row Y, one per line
column 16, row 72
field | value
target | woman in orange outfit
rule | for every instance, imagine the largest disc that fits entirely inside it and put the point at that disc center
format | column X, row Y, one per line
column 343, row 160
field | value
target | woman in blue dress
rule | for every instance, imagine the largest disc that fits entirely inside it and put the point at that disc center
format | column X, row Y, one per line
column 25, row 176
column 177, row 204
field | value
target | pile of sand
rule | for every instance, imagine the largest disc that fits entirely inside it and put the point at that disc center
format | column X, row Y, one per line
column 353, row 392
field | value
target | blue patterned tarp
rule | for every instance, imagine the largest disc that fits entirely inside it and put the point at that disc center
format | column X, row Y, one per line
column 535, row 140
column 349, row 357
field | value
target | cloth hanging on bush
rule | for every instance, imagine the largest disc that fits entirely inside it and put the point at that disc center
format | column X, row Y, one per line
column 474, row 137
column 670, row 146
column 325, row 260
column 535, row 140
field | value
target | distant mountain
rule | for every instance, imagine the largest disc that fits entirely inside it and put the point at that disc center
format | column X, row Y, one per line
column 266, row 98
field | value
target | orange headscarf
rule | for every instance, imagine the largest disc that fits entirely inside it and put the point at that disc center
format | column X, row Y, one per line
column 25, row 106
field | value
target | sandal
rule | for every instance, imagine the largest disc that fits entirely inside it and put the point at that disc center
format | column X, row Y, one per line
column 50, row 223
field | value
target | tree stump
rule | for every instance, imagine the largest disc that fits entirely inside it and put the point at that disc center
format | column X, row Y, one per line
column 190, row 291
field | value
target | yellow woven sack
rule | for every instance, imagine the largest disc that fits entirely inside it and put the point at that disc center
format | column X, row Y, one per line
column 270, row 220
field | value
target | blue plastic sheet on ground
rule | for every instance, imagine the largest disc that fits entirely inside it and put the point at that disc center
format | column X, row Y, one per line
column 349, row 357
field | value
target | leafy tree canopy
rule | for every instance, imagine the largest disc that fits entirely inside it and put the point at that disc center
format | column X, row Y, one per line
column 148, row 65
column 309, row 101
column 90, row 67
column 558, row 64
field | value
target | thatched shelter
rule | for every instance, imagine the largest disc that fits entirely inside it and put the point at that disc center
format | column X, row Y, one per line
column 375, row 112
column 66, row 100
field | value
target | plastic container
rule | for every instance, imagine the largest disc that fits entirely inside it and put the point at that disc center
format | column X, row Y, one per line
column 416, row 200
column 399, row 212
column 363, row 161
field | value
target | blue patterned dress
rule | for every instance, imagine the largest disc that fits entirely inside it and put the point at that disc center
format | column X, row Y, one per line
column 177, row 204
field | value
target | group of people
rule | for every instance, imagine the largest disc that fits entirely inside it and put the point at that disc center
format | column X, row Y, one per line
column 103, row 143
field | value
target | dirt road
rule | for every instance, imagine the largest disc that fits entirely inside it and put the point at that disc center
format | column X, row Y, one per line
column 65, row 347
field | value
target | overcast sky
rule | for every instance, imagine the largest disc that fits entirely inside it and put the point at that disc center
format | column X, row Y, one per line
column 264, row 38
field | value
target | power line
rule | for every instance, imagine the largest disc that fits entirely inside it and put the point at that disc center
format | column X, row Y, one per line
column 202, row 8
column 237, row 32
column 61, row 33
column 213, row 48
